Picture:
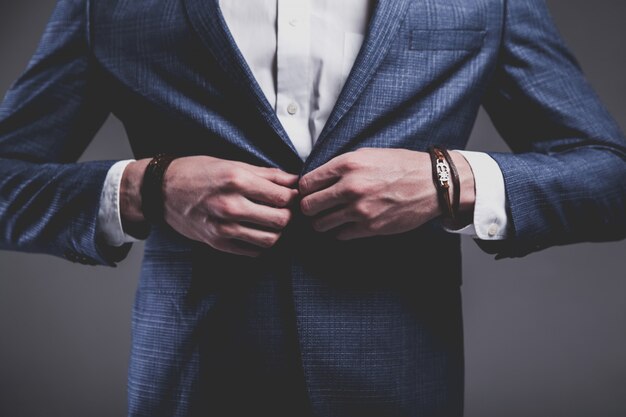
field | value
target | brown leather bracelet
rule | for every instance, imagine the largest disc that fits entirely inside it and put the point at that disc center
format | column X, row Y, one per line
column 456, row 184
column 152, row 188
column 441, row 179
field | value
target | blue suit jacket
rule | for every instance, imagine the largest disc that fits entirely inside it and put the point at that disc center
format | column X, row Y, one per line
column 370, row 327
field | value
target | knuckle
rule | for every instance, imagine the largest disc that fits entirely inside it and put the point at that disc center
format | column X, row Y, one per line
column 231, row 209
column 225, row 230
column 317, row 225
column 351, row 163
column 218, row 230
column 268, row 240
column 276, row 172
column 303, row 184
column 371, row 227
column 354, row 188
column 227, row 208
column 361, row 211
column 275, row 238
column 209, row 204
column 305, row 206
column 282, row 198
column 232, row 180
column 282, row 220
column 252, row 254
column 217, row 206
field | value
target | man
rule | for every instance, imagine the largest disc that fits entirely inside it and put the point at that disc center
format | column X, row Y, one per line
column 346, row 301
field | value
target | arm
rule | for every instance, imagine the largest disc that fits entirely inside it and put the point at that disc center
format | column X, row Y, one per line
column 566, row 182
column 377, row 191
column 48, row 202
column 231, row 206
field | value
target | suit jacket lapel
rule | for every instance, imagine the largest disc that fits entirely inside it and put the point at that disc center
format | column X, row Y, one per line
column 382, row 28
column 207, row 20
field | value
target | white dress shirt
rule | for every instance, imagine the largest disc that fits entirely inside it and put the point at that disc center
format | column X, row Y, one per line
column 314, row 44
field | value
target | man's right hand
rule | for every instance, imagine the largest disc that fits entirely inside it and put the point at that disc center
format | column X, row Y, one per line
column 232, row 206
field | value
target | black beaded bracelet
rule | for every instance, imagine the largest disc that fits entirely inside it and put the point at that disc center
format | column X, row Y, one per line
column 152, row 188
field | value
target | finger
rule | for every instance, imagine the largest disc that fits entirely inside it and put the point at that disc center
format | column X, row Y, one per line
column 265, row 191
column 256, row 237
column 325, row 199
column 353, row 231
column 261, row 215
column 319, row 178
column 277, row 176
column 237, row 248
column 332, row 220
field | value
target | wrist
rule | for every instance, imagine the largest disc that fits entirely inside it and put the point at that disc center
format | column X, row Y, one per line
column 130, row 192
column 152, row 193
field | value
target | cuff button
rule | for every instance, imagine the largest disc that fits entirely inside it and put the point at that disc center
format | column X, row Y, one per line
column 71, row 256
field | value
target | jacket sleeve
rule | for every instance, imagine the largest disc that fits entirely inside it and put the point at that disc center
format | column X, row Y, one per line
column 566, row 178
column 49, row 202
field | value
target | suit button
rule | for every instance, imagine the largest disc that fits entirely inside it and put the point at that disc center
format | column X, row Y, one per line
column 77, row 257
column 71, row 256
column 86, row 260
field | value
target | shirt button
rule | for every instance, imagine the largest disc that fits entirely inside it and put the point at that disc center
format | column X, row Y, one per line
column 492, row 230
column 292, row 108
column 293, row 22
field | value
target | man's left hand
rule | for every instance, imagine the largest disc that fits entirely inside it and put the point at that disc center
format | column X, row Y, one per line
column 370, row 192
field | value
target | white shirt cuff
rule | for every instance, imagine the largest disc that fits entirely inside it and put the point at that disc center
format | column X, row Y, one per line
column 109, row 220
column 490, row 216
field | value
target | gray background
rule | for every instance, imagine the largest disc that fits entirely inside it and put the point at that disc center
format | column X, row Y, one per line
column 545, row 335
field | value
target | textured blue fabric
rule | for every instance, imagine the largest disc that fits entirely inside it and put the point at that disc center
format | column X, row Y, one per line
column 315, row 327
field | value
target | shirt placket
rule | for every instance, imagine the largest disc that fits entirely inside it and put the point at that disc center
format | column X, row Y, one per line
column 293, row 56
